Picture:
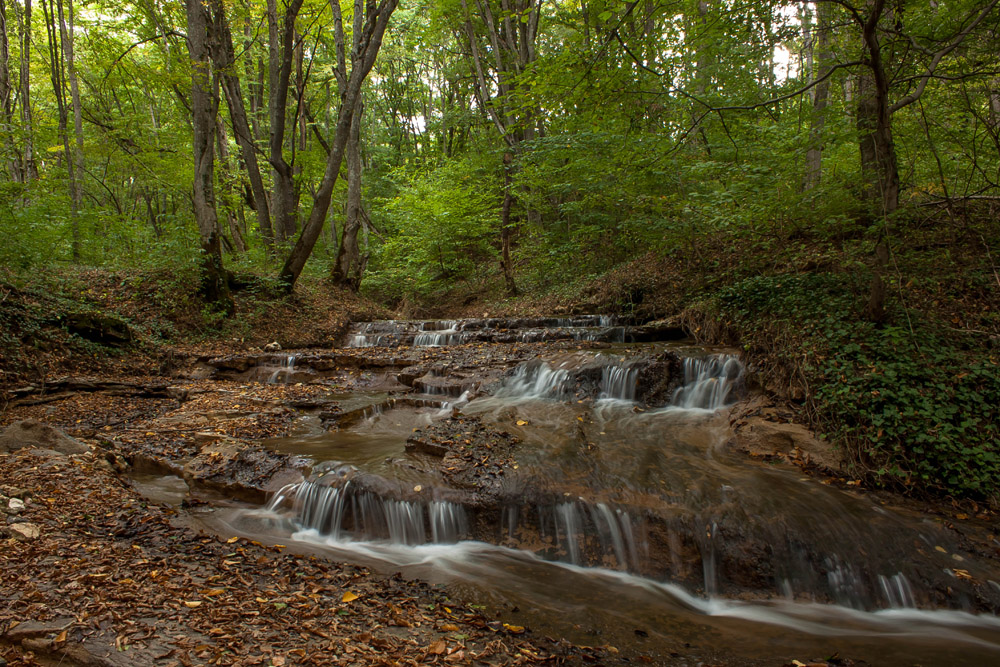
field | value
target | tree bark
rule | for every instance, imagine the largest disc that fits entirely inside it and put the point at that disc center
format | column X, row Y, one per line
column 204, row 106
column 29, row 167
column 347, row 267
column 68, row 36
column 994, row 103
column 505, row 227
column 55, row 29
column 228, row 195
column 878, row 153
column 6, row 100
column 280, row 59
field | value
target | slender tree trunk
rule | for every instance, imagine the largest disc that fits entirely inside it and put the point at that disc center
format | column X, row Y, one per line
column 994, row 103
column 814, row 155
column 225, row 61
column 7, row 101
column 204, row 106
column 54, row 27
column 346, row 269
column 68, row 37
column 227, row 195
column 29, row 167
column 505, row 227
column 878, row 153
column 280, row 58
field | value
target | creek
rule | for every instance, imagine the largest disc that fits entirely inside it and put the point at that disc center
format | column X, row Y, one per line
column 609, row 508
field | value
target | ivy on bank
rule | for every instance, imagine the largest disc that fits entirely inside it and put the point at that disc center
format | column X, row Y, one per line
column 912, row 404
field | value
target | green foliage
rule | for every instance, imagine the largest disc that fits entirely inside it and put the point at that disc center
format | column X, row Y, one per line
column 911, row 406
column 443, row 226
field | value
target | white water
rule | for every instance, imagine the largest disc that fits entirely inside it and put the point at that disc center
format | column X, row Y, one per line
column 533, row 382
column 568, row 596
column 710, row 382
column 619, row 382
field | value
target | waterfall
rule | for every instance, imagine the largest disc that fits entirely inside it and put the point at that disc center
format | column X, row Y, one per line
column 710, row 382
column 438, row 334
column 567, row 530
column 897, row 591
column 619, row 382
column 285, row 366
column 535, row 381
column 342, row 512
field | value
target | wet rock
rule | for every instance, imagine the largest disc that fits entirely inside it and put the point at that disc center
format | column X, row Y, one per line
column 273, row 347
column 238, row 363
column 241, row 470
column 409, row 374
column 474, row 457
column 99, row 328
column 659, row 378
column 25, row 531
column 33, row 433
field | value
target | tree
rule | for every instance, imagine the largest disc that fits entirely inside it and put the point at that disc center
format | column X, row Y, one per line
column 204, row 107
column 362, row 59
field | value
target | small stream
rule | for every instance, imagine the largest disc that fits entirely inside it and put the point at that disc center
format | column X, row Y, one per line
column 626, row 523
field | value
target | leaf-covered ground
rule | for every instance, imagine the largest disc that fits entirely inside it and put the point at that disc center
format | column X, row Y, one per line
column 115, row 580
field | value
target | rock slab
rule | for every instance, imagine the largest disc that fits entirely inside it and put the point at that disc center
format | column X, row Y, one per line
column 33, row 433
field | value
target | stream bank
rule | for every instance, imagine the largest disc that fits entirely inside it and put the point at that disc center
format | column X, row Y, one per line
column 450, row 439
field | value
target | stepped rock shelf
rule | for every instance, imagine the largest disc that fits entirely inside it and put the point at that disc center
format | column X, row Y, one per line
column 552, row 464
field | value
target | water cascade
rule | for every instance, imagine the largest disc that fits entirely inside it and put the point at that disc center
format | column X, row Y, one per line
column 710, row 382
column 346, row 512
column 535, row 381
column 619, row 382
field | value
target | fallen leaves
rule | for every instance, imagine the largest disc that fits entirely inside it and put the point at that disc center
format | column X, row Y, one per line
column 349, row 597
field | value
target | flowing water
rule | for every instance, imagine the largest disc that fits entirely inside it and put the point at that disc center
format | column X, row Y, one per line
column 634, row 524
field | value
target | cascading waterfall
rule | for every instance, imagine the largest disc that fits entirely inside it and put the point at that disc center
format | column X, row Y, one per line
column 344, row 512
column 568, row 530
column 535, row 381
column 710, row 382
column 897, row 591
column 284, row 371
column 619, row 382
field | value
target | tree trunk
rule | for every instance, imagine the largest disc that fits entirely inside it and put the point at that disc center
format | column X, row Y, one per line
column 204, row 106
column 994, row 103
column 6, row 100
column 280, row 58
column 878, row 154
column 29, row 167
column 505, row 228
column 55, row 28
column 814, row 155
column 225, row 61
column 347, row 268
column 74, row 90
column 228, row 194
